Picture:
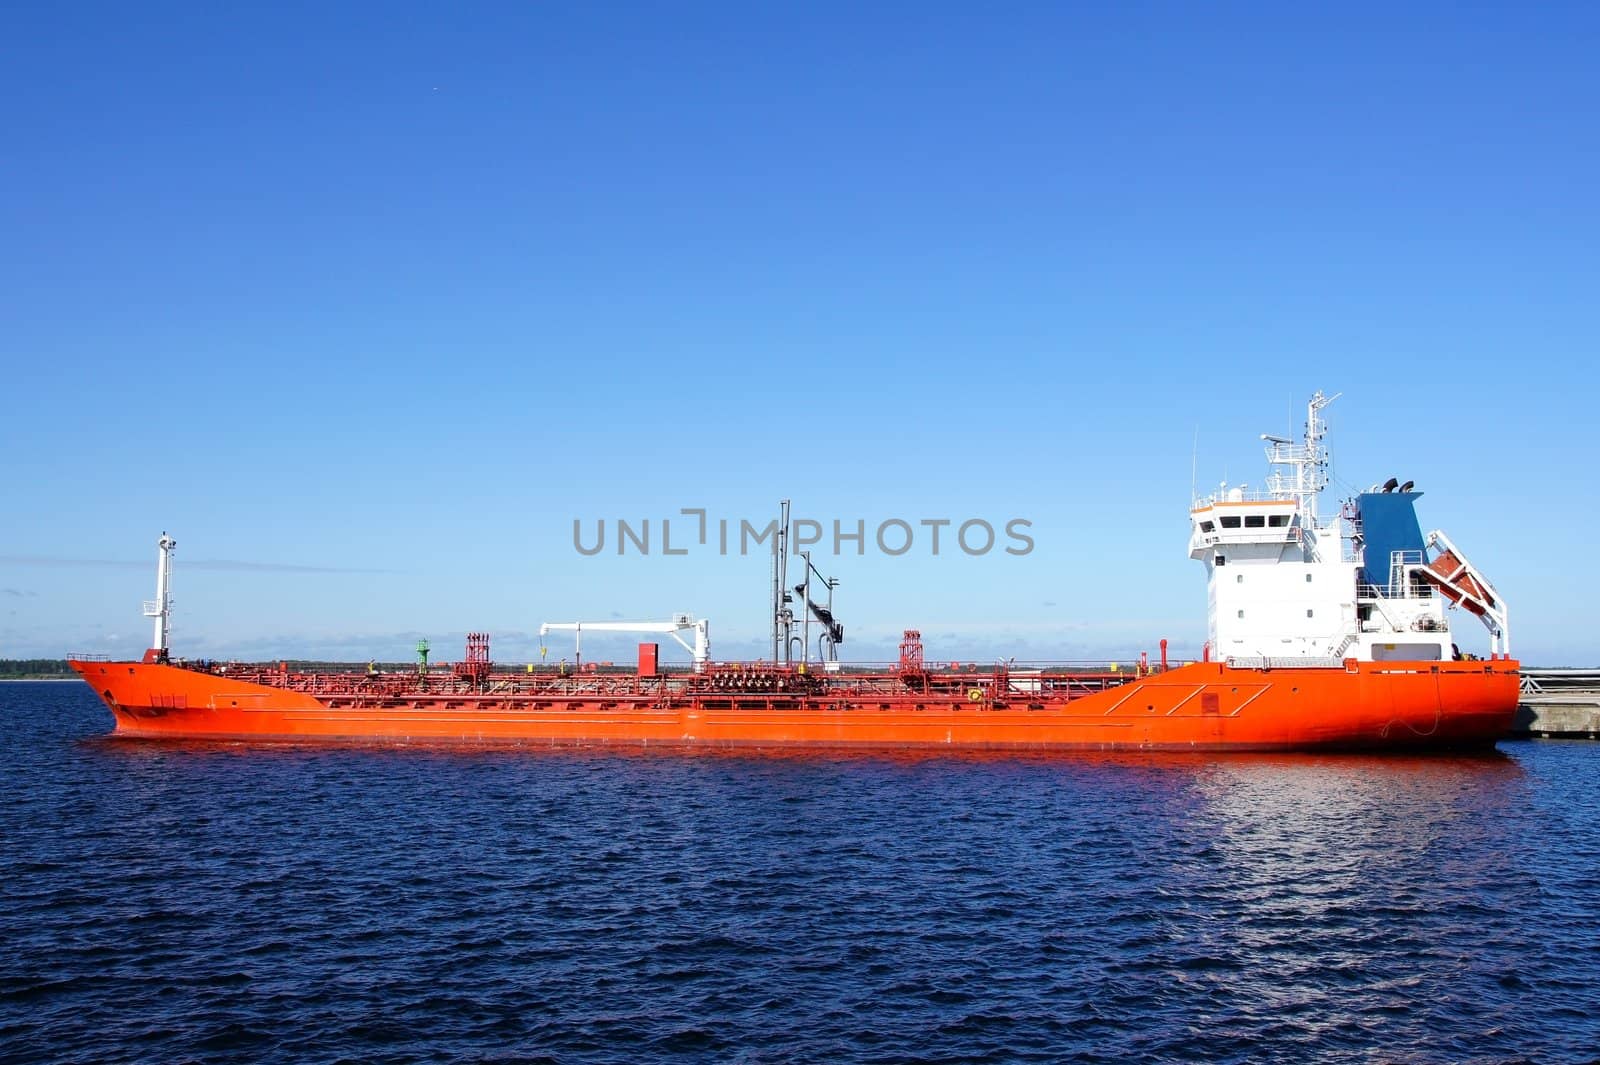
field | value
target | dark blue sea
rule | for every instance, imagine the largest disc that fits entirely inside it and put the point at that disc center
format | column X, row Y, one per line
column 234, row 903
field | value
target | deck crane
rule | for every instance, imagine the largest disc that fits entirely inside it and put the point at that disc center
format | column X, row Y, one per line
column 701, row 650
column 832, row 631
column 1461, row 582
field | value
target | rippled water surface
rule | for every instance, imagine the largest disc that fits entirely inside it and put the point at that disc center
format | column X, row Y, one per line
column 224, row 902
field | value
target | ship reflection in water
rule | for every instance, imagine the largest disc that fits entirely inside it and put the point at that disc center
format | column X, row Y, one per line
column 1364, row 895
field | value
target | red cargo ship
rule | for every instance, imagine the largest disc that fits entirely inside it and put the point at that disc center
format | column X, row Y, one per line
column 1327, row 634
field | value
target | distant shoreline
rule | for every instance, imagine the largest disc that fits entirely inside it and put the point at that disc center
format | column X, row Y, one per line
column 52, row 678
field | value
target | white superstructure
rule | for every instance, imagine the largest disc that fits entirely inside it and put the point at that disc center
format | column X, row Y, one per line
column 1285, row 583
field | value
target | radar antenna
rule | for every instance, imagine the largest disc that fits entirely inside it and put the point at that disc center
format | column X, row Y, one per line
column 1306, row 472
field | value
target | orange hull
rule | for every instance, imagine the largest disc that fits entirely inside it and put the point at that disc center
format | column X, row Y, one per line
column 1200, row 706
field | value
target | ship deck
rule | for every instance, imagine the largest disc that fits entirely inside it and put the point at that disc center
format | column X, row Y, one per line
column 747, row 686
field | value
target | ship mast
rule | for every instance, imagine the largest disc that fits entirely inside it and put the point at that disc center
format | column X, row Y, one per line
column 161, row 607
column 782, row 616
column 1303, row 472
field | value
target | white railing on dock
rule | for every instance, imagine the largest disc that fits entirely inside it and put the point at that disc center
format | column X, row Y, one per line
column 1567, row 681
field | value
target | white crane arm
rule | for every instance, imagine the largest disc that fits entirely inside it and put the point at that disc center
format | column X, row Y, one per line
column 663, row 627
column 700, row 650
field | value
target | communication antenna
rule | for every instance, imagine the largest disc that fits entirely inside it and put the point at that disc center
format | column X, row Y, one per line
column 1194, row 464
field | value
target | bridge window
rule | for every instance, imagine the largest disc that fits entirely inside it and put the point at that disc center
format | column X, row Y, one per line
column 1278, row 521
column 1230, row 521
column 1255, row 521
column 1207, row 526
column 1308, row 613
column 1308, row 578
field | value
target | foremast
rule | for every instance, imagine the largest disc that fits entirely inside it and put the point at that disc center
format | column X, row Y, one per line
column 160, row 608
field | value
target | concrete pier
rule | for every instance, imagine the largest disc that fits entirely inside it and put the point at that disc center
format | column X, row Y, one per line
column 1559, row 703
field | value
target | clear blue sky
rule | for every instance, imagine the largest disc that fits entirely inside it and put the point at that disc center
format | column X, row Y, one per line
column 367, row 303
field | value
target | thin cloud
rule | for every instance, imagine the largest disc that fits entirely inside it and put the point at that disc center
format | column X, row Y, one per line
column 239, row 565
column 509, row 646
column 43, row 560
column 18, row 593
column 216, row 564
